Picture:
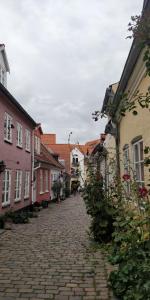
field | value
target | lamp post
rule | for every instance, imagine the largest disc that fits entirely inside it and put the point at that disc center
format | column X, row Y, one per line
column 69, row 137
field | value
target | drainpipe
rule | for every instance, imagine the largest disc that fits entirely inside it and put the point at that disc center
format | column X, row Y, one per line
column 32, row 176
column 117, row 139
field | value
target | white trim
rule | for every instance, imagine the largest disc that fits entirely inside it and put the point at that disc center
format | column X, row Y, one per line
column 139, row 162
column 28, row 140
column 18, row 185
column 27, row 185
column 7, row 128
column 19, row 135
column 6, row 187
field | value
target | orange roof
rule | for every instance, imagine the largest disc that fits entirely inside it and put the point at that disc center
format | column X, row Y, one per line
column 46, row 157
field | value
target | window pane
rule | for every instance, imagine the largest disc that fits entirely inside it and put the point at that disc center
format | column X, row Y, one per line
column 136, row 153
column 137, row 170
column 141, row 150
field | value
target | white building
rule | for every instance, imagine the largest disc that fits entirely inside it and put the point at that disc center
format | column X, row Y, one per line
column 77, row 166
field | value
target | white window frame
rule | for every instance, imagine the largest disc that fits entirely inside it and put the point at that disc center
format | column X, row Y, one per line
column 37, row 144
column 41, row 182
column 27, row 185
column 126, row 163
column 138, row 163
column 6, row 192
column 18, row 185
column 8, row 128
column 2, row 75
column 46, row 181
column 19, row 135
column 28, row 140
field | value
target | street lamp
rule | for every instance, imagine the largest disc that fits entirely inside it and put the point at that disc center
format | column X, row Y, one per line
column 69, row 137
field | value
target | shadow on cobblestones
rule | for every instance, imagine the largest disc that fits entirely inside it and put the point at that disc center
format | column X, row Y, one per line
column 51, row 258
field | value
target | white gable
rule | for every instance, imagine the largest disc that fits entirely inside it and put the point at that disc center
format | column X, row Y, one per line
column 4, row 66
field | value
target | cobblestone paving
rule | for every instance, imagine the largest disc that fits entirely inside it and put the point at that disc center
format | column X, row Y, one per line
column 50, row 257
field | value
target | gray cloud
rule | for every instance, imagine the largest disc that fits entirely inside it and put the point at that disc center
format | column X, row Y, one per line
column 63, row 54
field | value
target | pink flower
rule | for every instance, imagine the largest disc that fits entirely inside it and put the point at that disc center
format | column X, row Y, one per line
column 143, row 192
column 126, row 177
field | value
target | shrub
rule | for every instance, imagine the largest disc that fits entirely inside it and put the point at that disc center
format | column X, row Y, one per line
column 100, row 208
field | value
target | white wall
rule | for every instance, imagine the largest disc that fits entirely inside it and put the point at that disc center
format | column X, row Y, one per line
column 77, row 153
column 2, row 66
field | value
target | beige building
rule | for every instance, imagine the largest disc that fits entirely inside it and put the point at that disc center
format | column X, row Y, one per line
column 129, row 134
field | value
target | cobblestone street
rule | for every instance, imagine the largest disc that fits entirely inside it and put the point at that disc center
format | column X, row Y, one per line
column 50, row 258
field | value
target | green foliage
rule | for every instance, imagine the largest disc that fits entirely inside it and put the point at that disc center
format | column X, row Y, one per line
column 99, row 208
column 56, row 188
column 131, row 281
column 131, row 252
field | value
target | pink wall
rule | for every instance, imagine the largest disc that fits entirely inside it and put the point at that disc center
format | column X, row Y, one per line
column 14, row 157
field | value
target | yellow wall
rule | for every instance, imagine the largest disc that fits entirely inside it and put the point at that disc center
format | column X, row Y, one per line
column 132, row 126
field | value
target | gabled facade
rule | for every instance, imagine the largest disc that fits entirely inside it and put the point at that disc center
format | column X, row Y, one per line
column 46, row 169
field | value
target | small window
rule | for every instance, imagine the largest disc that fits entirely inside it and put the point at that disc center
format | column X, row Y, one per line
column 28, row 140
column 19, row 135
column 138, row 160
column 27, row 185
column 6, row 188
column 18, row 185
column 8, row 128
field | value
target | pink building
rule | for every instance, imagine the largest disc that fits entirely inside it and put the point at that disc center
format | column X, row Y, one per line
column 45, row 165
column 16, row 136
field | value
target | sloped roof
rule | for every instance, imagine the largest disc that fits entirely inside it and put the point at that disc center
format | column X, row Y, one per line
column 48, row 158
column 15, row 103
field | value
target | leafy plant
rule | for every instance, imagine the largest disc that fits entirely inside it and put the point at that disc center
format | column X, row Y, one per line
column 100, row 209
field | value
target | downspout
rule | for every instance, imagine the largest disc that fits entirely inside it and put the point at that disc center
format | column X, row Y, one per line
column 117, row 140
column 32, row 176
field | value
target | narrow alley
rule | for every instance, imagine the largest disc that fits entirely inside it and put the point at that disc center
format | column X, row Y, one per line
column 51, row 257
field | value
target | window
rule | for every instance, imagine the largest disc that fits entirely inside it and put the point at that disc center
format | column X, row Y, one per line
column 41, row 181
column 18, row 185
column 6, row 187
column 37, row 144
column 28, row 140
column 46, row 181
column 138, row 160
column 27, row 185
column 8, row 128
column 19, row 135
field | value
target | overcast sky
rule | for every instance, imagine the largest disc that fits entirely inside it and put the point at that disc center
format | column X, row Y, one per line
column 63, row 54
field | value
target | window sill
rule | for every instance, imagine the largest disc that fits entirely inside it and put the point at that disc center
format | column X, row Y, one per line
column 47, row 191
column 8, row 141
column 41, row 193
column 5, row 205
column 26, row 198
column 29, row 151
column 18, row 146
column 17, row 200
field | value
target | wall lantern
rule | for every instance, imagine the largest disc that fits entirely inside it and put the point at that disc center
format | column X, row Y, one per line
column 2, row 166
